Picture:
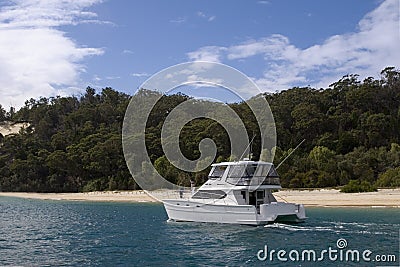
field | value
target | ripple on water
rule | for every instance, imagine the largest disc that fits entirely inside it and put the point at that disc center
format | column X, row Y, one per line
column 58, row 233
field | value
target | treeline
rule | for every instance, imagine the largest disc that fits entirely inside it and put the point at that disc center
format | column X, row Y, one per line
column 352, row 132
column 73, row 144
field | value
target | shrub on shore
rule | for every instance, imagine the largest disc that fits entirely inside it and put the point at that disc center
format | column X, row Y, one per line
column 356, row 186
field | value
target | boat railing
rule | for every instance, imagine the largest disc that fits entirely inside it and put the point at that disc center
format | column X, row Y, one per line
column 227, row 200
column 209, row 195
column 251, row 181
column 185, row 195
column 172, row 194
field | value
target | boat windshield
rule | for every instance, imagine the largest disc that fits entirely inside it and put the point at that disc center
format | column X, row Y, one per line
column 252, row 170
column 252, row 174
column 217, row 172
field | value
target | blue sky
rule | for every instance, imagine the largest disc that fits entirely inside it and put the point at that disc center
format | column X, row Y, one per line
column 51, row 47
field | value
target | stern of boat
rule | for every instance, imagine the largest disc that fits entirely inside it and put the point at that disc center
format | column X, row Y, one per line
column 282, row 212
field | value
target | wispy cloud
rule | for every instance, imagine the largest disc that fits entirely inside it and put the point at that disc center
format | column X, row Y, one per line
column 178, row 20
column 127, row 51
column 113, row 77
column 140, row 74
column 207, row 53
column 211, row 18
column 97, row 78
column 37, row 58
column 202, row 15
column 370, row 48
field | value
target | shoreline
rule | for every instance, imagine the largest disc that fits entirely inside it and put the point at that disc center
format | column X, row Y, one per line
column 96, row 196
column 308, row 197
column 334, row 198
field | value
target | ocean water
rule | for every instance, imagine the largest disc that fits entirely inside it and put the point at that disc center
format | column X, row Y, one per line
column 60, row 233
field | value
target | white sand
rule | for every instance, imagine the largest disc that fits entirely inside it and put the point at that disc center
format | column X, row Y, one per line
column 332, row 197
column 124, row 196
column 7, row 127
column 322, row 197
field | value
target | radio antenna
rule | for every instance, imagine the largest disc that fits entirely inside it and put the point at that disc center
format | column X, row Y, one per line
column 289, row 154
column 249, row 145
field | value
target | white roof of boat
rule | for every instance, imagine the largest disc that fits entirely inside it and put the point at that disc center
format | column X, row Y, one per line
column 242, row 162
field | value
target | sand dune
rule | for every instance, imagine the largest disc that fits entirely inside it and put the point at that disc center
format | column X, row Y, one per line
column 7, row 127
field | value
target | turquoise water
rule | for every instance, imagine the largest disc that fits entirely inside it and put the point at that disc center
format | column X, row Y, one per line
column 58, row 233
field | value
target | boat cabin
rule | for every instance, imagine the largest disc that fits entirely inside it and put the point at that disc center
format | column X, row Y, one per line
column 236, row 192
column 243, row 182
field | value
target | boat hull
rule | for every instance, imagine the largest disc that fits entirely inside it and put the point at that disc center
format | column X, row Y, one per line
column 193, row 211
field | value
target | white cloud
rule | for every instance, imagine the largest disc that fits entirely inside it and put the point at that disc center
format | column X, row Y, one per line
column 45, row 13
column 373, row 46
column 97, row 78
column 275, row 47
column 207, row 53
column 202, row 15
column 113, row 77
column 178, row 20
column 127, row 51
column 140, row 74
column 36, row 58
column 212, row 18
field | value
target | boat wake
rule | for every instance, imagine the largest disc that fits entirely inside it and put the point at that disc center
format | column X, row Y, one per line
column 335, row 227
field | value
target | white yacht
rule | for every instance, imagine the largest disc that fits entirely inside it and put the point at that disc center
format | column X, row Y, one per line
column 238, row 193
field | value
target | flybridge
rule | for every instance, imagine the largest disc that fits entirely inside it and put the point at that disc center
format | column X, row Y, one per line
column 245, row 173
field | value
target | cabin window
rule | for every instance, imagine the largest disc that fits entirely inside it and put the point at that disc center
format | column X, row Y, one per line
column 252, row 173
column 272, row 172
column 251, row 170
column 263, row 170
column 236, row 170
column 209, row 194
column 217, row 172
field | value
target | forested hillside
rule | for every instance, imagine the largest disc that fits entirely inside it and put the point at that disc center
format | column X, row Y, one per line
column 352, row 132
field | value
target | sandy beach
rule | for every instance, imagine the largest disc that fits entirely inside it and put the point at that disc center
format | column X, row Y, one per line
column 333, row 197
column 118, row 196
column 321, row 197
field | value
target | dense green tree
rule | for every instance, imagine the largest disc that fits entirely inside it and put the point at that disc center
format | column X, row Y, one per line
column 321, row 157
column 74, row 143
column 390, row 178
column 165, row 168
